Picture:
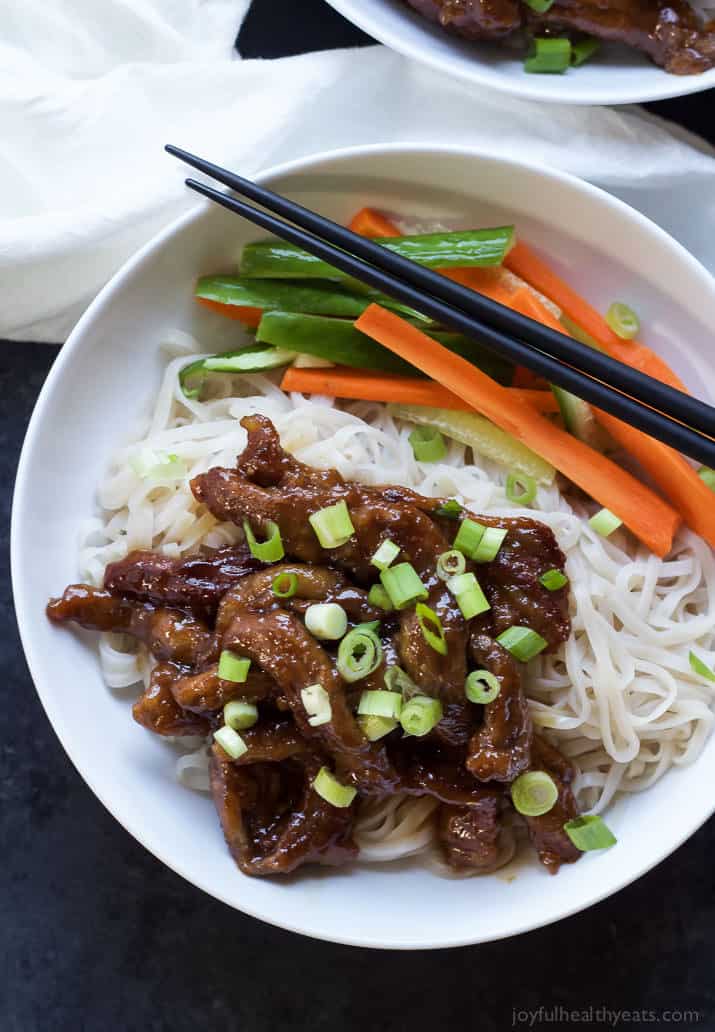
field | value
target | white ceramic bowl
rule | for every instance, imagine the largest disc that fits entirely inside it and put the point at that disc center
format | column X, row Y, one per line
column 111, row 364
column 618, row 75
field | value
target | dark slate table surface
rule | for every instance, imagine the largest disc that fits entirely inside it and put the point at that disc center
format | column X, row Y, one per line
column 97, row 935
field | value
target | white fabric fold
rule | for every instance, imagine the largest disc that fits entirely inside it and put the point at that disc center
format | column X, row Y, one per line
column 89, row 94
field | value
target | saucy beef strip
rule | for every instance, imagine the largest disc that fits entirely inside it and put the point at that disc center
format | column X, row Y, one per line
column 547, row 832
column 280, row 645
column 469, row 835
column 473, row 19
column 157, row 710
column 273, row 821
column 207, row 693
column 196, row 582
column 272, row 740
column 168, row 633
column 501, row 748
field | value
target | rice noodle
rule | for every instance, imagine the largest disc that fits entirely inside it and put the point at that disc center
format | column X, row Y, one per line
column 619, row 699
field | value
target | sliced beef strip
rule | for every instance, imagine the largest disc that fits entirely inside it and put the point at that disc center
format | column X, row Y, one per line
column 469, row 835
column 168, row 633
column 207, row 693
column 158, row 711
column 473, row 19
column 547, row 832
column 273, row 821
column 272, row 740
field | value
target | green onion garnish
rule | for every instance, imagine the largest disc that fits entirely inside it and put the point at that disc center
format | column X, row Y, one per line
column 589, row 832
column 396, row 680
column 552, row 580
column 270, row 550
column 239, row 714
column 385, row 555
column 469, row 535
column 488, row 547
column 377, row 596
column 451, row 509
column 534, row 793
column 232, row 667
column 482, row 687
column 285, row 585
column 332, row 791
column 376, row 727
column 522, row 643
column 230, row 741
column 428, row 445
column 431, row 627
column 540, row 6
column 402, row 583
column 520, row 488
column 582, row 50
column 359, row 653
column 450, row 564
column 605, row 522
column 470, row 598
column 380, row 704
column 623, row 320
column 327, row 621
column 551, row 54
column 420, row 715
column 708, row 476
column 332, row 525
column 158, row 466
column 317, row 704
column 700, row 668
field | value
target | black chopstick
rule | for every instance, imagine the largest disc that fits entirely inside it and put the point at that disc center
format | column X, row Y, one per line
column 644, row 418
column 681, row 407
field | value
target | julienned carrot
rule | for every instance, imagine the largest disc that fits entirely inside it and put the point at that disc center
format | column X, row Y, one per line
column 492, row 283
column 648, row 516
column 364, row 385
column 675, row 477
column 523, row 262
column 370, row 223
column 250, row 317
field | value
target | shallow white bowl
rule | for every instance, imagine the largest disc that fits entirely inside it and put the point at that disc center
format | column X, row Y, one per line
column 111, row 365
column 617, row 75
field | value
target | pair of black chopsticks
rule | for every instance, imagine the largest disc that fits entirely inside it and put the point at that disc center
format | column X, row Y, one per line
column 675, row 418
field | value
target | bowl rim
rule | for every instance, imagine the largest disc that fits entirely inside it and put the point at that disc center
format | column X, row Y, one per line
column 475, row 73
column 25, row 614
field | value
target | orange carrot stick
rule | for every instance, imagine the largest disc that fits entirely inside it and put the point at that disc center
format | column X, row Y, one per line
column 250, row 317
column 648, row 516
column 370, row 223
column 364, row 385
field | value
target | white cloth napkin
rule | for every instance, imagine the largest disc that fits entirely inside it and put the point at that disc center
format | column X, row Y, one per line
column 90, row 91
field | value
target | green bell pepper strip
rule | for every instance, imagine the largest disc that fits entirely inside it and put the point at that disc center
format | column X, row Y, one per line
column 474, row 247
column 338, row 341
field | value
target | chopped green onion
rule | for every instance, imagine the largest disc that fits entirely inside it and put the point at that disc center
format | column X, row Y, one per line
column 623, row 320
column 589, row 832
column 540, row 6
column 396, row 680
column 420, row 715
column 582, row 50
column 451, row 510
column 548, row 54
column 327, row 621
column 376, row 727
column 332, row 525
column 333, row 791
column 270, row 550
column 469, row 535
column 377, row 596
column 552, row 580
column 402, row 583
column 431, row 627
column 700, row 668
column 285, row 585
column 385, row 555
column 317, row 704
column 522, row 643
column 520, row 488
column 232, row 667
column 380, row 704
column 451, row 564
column 488, row 547
column 230, row 741
column 482, row 687
column 605, row 522
column 470, row 598
column 239, row 714
column 428, row 445
column 359, row 653
column 158, row 466
column 534, row 793
column 708, row 476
